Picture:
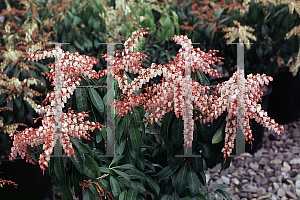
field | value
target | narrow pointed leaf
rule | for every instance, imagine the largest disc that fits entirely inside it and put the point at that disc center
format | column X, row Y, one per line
column 153, row 185
column 181, row 179
column 97, row 100
column 132, row 194
column 115, row 187
column 193, row 182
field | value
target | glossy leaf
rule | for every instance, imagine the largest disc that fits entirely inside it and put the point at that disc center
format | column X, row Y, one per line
column 132, row 194
column 167, row 197
column 89, row 170
column 218, row 136
column 81, row 100
column 94, row 163
column 125, row 166
column 165, row 173
column 116, row 159
column 97, row 100
column 135, row 135
column 77, row 21
column 123, row 195
column 59, row 169
column 177, row 132
column 181, row 179
column 115, row 187
column 193, row 182
column 153, row 185
column 205, row 150
column 64, row 190
column 135, row 174
column 223, row 194
column 78, row 162
column 67, row 23
column 123, row 175
column 211, row 196
column 88, row 194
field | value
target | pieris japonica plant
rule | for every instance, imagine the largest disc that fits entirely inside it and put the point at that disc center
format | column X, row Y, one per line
column 181, row 111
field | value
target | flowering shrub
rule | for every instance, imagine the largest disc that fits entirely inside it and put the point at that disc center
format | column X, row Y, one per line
column 163, row 100
column 169, row 95
column 272, row 50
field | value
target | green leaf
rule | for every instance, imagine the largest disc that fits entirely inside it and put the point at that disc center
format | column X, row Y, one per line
column 119, row 132
column 123, row 195
column 120, row 148
column 97, row 100
column 193, row 182
column 99, row 4
column 181, row 179
column 98, row 135
column 43, row 67
column 211, row 196
column 89, row 169
column 177, row 132
column 81, row 100
column 165, row 131
column 94, row 163
column 133, row 152
column 115, row 187
column 125, row 166
column 219, row 187
column 222, row 194
column 170, row 33
column 64, row 190
column 76, row 178
column 205, row 150
column 96, row 26
column 202, row 178
column 135, row 135
column 116, row 159
column 96, row 12
column 203, row 79
column 167, row 197
column 97, row 45
column 89, row 45
column 87, row 194
column 199, row 164
column 218, row 136
column 90, row 22
column 135, row 174
column 123, row 175
column 126, row 124
column 67, row 24
column 138, row 186
column 59, row 169
column 153, row 185
column 78, row 162
column 165, row 173
column 174, row 15
column 141, row 161
column 162, row 35
column 105, row 170
column 132, row 194
column 64, row 37
column 77, row 21
column 78, row 45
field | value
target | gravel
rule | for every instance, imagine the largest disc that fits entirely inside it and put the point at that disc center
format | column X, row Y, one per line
column 273, row 172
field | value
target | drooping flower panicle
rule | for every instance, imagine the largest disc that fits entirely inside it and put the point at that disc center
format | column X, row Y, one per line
column 73, row 66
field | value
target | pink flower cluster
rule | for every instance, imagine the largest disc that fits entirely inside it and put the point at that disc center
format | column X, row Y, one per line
column 167, row 96
column 230, row 91
column 73, row 66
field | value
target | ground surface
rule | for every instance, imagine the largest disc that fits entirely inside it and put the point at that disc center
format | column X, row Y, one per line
column 272, row 173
